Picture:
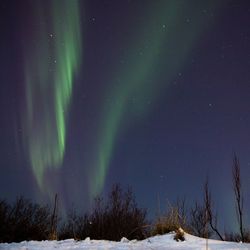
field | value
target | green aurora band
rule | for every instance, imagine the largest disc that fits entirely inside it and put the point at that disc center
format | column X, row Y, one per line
column 162, row 50
column 52, row 57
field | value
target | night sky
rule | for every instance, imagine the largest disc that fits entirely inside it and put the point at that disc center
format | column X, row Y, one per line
column 151, row 94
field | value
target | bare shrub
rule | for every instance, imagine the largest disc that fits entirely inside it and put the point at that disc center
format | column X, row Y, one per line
column 179, row 235
column 236, row 237
column 76, row 227
column 23, row 221
column 175, row 218
column 118, row 217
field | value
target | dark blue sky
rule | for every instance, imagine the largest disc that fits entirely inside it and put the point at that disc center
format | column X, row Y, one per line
column 164, row 110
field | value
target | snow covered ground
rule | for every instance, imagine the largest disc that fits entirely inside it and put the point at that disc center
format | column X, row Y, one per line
column 153, row 243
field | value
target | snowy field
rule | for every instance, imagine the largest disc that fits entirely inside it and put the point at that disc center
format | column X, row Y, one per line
column 153, row 243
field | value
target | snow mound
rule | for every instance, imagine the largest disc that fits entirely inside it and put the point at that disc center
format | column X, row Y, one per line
column 160, row 242
column 124, row 240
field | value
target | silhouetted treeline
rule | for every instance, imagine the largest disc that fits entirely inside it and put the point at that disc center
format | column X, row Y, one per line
column 119, row 216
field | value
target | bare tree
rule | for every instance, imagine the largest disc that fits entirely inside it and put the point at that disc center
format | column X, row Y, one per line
column 211, row 218
column 236, row 178
column 198, row 221
column 54, row 220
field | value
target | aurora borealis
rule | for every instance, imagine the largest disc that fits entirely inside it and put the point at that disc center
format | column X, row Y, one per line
column 133, row 77
column 52, row 60
column 152, row 94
